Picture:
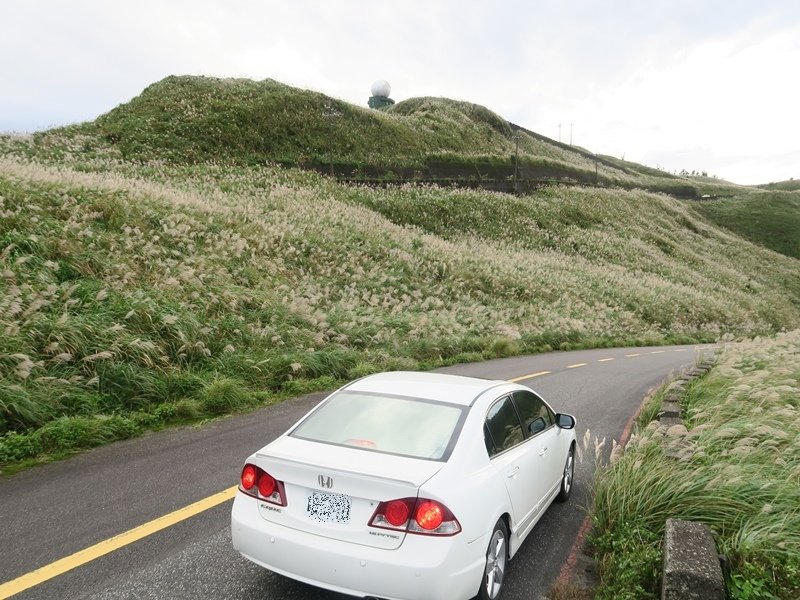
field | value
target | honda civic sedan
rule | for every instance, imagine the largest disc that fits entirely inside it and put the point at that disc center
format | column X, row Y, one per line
column 406, row 486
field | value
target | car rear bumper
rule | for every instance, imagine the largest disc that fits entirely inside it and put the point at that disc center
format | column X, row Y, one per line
column 422, row 568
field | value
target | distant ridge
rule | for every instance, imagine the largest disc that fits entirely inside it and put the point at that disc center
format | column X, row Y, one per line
column 192, row 120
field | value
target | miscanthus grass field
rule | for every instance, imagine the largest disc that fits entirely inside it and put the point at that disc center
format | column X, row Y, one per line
column 136, row 295
column 737, row 470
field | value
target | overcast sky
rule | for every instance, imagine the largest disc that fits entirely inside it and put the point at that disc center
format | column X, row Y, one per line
column 706, row 85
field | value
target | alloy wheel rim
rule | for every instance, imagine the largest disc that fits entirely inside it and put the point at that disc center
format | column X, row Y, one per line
column 495, row 564
column 568, row 471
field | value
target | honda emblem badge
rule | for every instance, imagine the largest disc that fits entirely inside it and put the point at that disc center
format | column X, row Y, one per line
column 325, row 482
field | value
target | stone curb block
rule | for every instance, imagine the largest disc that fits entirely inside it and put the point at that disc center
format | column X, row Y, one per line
column 691, row 564
column 670, row 421
column 670, row 409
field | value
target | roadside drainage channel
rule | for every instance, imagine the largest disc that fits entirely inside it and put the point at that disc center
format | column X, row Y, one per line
column 691, row 568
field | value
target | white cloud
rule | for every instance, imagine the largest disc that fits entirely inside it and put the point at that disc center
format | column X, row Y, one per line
column 714, row 104
column 664, row 82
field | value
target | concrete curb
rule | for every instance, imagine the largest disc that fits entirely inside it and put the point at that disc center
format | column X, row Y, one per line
column 691, row 565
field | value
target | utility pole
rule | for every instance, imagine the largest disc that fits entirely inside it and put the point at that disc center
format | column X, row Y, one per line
column 516, row 164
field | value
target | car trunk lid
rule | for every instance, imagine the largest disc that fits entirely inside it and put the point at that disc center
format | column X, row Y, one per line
column 333, row 491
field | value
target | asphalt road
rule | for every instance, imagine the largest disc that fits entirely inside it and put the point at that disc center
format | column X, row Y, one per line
column 56, row 510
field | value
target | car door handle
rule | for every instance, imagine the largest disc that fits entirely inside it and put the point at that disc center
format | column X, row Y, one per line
column 512, row 472
column 542, row 451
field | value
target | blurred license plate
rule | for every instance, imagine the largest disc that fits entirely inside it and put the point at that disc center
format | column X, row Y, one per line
column 328, row 508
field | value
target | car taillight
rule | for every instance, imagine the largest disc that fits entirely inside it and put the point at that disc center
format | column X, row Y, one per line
column 256, row 482
column 397, row 512
column 415, row 515
column 429, row 515
column 249, row 477
column 266, row 484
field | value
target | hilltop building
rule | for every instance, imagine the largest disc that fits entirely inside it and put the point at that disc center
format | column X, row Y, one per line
column 380, row 94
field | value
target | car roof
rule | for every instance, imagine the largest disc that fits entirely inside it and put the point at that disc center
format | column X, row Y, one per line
column 430, row 386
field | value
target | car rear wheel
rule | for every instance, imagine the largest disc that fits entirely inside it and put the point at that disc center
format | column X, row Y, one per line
column 496, row 559
column 568, row 477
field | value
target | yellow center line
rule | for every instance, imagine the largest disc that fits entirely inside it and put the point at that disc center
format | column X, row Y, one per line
column 605, row 359
column 530, row 376
column 658, row 352
column 575, row 366
column 632, row 355
column 61, row 566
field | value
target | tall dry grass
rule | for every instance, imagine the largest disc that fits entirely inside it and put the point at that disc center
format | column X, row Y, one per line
column 138, row 290
column 737, row 470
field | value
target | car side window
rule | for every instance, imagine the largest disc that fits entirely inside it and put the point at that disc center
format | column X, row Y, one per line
column 503, row 425
column 487, row 438
column 535, row 414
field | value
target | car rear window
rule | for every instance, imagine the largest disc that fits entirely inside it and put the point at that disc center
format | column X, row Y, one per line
column 383, row 423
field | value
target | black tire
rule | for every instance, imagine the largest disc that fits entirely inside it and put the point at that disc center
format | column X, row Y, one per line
column 568, row 477
column 496, row 563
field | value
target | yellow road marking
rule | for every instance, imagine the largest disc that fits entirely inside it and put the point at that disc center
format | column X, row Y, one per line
column 575, row 366
column 632, row 355
column 605, row 359
column 658, row 352
column 530, row 376
column 61, row 566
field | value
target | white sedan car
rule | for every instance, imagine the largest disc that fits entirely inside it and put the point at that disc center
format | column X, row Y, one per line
column 406, row 486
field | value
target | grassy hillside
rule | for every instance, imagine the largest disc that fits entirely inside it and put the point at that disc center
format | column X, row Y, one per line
column 771, row 219
column 790, row 185
column 134, row 296
column 154, row 270
column 197, row 120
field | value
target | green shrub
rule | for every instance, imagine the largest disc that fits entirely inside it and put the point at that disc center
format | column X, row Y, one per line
column 362, row 369
column 188, row 408
column 18, row 410
column 129, row 386
column 630, row 565
column 73, row 433
column 299, row 387
column 66, row 434
column 224, row 395
column 166, row 412
column 502, row 347
column 18, row 446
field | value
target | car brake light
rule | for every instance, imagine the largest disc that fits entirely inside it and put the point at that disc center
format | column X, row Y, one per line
column 266, row 484
column 249, row 476
column 429, row 517
column 397, row 512
column 267, row 488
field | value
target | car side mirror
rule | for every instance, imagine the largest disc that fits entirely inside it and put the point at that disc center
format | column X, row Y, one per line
column 565, row 421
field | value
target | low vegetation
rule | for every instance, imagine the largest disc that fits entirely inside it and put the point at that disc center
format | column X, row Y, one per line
column 769, row 218
column 737, row 470
column 789, row 185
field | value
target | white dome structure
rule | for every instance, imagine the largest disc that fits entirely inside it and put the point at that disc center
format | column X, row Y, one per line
column 381, row 88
